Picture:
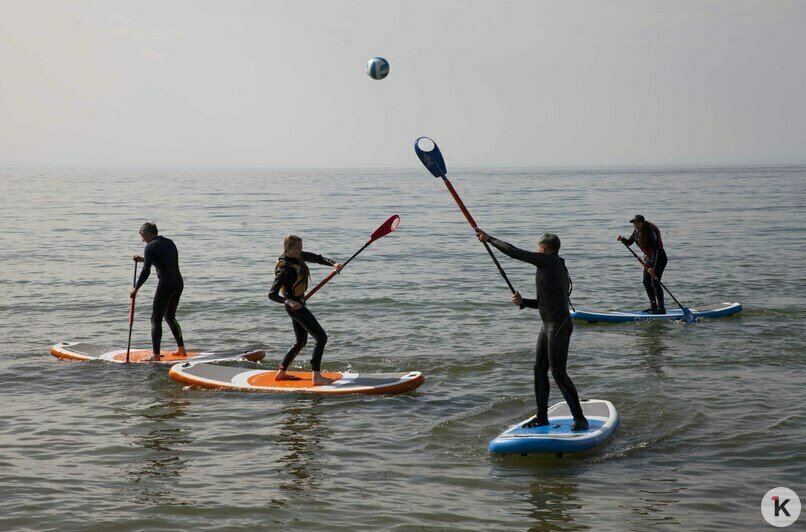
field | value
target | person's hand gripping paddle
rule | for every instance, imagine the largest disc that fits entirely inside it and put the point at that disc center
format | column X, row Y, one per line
column 432, row 159
column 686, row 312
column 385, row 228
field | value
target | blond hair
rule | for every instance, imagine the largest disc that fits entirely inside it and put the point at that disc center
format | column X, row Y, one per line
column 289, row 242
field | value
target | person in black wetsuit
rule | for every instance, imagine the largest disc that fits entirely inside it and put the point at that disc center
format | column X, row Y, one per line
column 648, row 237
column 163, row 255
column 291, row 276
column 552, row 282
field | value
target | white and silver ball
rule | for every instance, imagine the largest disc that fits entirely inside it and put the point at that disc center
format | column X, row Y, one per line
column 378, row 68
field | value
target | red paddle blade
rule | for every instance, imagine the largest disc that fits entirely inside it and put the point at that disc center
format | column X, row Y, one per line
column 387, row 227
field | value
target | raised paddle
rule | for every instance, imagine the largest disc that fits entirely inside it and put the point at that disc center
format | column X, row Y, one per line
column 434, row 162
column 385, row 228
column 131, row 314
column 686, row 312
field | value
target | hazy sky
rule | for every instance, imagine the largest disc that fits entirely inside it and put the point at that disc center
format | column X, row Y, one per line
column 495, row 83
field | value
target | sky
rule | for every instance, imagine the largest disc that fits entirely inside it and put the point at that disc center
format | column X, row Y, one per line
column 278, row 84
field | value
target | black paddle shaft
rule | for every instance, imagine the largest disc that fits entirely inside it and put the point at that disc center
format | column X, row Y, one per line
column 500, row 269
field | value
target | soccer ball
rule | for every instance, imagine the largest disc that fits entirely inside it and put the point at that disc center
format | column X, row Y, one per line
column 378, row 68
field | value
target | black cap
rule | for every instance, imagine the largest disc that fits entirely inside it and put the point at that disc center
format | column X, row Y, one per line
column 638, row 218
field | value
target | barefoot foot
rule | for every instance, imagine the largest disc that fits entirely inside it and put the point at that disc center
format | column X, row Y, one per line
column 319, row 380
column 283, row 376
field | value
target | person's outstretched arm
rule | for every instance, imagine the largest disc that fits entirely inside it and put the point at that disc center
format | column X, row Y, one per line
column 532, row 257
column 628, row 241
column 318, row 259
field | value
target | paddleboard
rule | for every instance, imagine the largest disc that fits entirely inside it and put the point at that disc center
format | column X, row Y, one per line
column 259, row 380
column 716, row 310
column 108, row 353
column 557, row 437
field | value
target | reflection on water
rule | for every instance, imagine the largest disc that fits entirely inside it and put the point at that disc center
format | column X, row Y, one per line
column 655, row 505
column 154, row 429
column 301, row 432
column 552, row 495
column 650, row 341
column 554, row 505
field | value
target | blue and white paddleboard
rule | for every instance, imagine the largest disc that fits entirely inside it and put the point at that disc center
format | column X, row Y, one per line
column 717, row 310
column 558, row 436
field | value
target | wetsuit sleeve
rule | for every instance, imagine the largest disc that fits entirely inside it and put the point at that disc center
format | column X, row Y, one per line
column 148, row 258
column 538, row 259
column 318, row 259
column 529, row 303
column 279, row 282
column 630, row 241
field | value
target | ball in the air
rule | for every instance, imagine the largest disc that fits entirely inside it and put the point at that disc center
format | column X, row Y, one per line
column 378, row 68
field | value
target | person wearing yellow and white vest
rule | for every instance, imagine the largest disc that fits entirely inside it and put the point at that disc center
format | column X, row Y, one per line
column 291, row 277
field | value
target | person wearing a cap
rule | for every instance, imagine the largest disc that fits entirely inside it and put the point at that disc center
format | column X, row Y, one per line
column 648, row 237
column 553, row 289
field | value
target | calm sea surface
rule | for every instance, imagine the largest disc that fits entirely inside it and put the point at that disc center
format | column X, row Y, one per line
column 712, row 413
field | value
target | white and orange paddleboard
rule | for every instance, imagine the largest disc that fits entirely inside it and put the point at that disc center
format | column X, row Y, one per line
column 108, row 353
column 259, row 380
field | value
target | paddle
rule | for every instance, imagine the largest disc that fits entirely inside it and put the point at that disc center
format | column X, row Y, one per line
column 686, row 312
column 131, row 314
column 385, row 228
column 435, row 164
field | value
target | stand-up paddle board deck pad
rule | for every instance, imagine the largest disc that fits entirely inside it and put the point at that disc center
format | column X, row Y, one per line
column 228, row 378
column 717, row 310
column 108, row 353
column 557, row 437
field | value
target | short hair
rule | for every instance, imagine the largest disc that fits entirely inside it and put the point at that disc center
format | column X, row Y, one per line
column 550, row 240
column 289, row 241
column 149, row 228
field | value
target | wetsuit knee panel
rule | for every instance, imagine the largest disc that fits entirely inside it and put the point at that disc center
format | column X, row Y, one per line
column 300, row 343
column 559, row 374
column 541, row 366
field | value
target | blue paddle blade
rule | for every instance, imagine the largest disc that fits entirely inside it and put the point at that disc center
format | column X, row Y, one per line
column 431, row 159
column 689, row 315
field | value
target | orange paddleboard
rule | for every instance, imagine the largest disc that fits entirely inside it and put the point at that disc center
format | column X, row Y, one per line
column 258, row 380
column 85, row 351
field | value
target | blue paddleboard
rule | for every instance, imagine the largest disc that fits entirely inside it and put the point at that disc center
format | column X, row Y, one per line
column 557, row 437
column 717, row 310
